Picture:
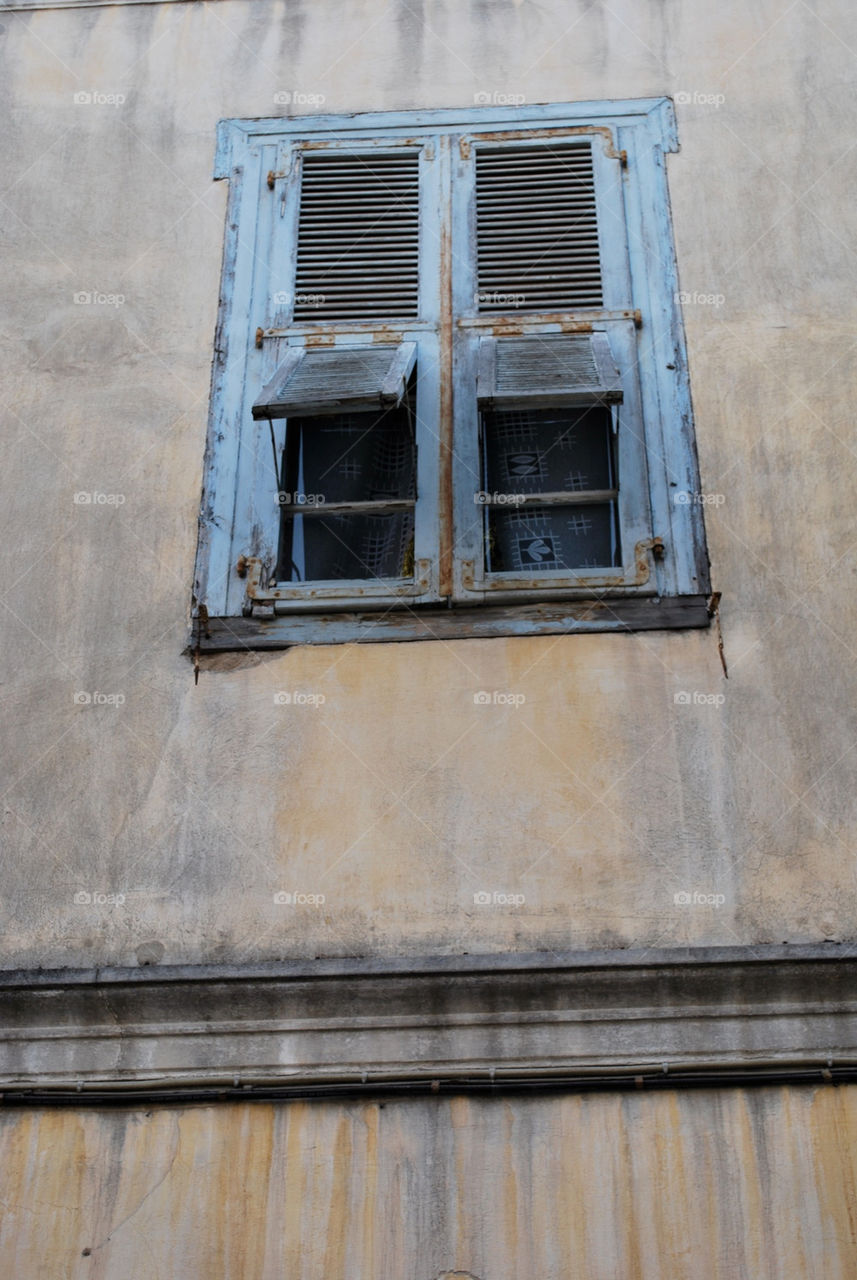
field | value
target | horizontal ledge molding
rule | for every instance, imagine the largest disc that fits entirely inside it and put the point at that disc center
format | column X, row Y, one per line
column 609, row 613
column 489, row 962
column 302, row 1023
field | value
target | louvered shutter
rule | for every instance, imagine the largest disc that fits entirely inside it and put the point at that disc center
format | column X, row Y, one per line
column 337, row 380
column 358, row 237
column 536, row 228
column 547, row 369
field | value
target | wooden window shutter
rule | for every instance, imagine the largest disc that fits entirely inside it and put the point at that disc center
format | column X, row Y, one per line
column 548, row 369
column 536, row 228
column 358, row 237
column 335, row 380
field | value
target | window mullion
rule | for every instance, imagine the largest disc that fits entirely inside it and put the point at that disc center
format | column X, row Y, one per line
column 467, row 479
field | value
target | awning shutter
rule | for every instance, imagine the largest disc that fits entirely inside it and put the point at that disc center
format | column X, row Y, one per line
column 312, row 382
column 548, row 370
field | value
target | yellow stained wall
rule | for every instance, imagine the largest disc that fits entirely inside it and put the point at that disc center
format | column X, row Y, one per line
column 696, row 1185
column 597, row 800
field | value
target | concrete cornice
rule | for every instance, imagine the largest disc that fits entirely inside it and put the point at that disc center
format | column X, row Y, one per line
column 341, row 1020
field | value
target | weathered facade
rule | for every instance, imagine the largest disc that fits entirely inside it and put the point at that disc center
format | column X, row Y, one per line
column 234, row 892
column 713, row 1183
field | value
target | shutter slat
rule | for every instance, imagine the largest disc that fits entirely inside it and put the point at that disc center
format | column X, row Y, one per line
column 547, row 370
column 320, row 382
column 537, row 228
column 358, row 238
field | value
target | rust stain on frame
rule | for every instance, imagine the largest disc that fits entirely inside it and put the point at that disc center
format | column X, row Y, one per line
column 510, row 135
column 445, row 584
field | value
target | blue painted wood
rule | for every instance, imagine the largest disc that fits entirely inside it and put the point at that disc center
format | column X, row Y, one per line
column 613, row 228
column 255, row 530
column 657, row 454
column 215, row 567
column 233, row 134
column 635, row 516
column 667, row 410
column 471, row 583
column 402, row 624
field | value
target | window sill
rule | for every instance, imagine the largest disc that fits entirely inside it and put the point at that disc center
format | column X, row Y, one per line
column 217, row 635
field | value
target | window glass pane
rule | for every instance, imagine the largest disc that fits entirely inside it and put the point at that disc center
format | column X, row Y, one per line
column 548, row 450
column 347, row 458
column 539, row 451
column 349, row 546
column 550, row 539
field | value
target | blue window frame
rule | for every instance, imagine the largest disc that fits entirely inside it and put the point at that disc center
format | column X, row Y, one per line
column 450, row 390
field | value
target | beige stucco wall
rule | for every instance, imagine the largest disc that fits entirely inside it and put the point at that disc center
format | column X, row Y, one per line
column 398, row 799
column 701, row 1185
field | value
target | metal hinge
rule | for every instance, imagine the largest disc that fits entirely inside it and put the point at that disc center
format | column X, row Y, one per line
column 274, row 177
column 658, row 550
